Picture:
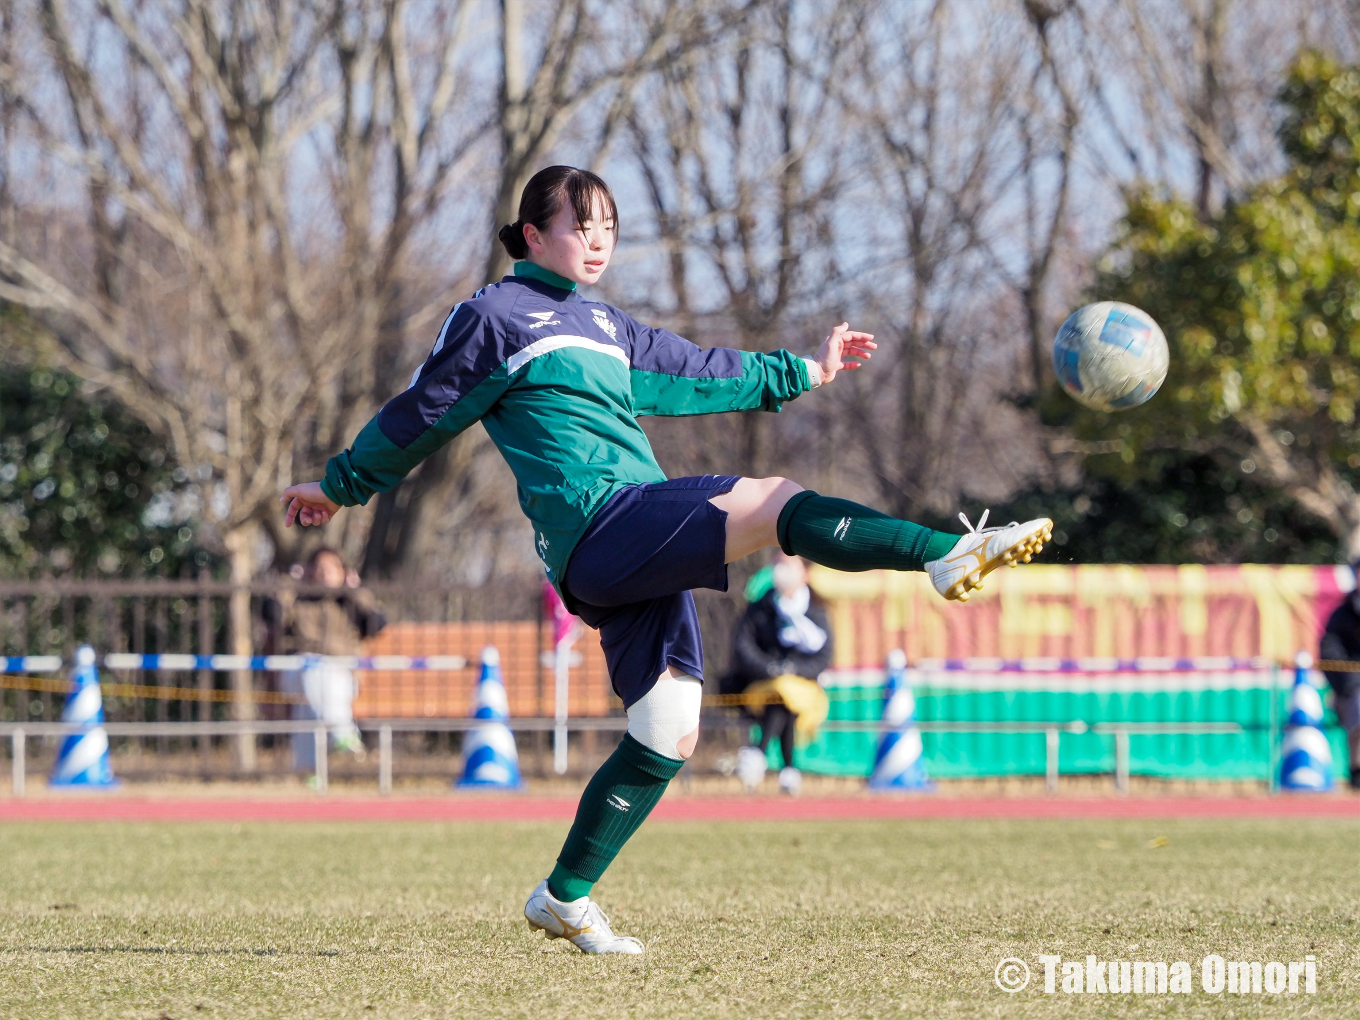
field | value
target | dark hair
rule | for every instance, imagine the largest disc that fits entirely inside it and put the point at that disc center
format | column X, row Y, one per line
column 544, row 196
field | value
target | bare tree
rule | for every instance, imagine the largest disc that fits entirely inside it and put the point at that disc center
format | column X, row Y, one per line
column 940, row 128
column 737, row 148
column 587, row 51
column 246, row 323
column 1188, row 86
column 8, row 115
column 1048, row 140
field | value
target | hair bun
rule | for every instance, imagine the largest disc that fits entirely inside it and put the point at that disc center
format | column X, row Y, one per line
column 512, row 240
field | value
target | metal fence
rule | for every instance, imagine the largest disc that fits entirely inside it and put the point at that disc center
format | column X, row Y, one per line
column 386, row 734
column 189, row 617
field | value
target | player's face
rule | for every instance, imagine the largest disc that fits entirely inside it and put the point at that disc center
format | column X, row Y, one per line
column 577, row 252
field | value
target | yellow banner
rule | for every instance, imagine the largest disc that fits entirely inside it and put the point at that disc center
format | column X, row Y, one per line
column 1098, row 610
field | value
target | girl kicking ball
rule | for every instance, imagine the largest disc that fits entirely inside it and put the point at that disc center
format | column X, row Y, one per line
column 559, row 382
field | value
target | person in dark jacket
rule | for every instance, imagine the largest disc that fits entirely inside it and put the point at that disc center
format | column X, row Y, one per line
column 782, row 645
column 1341, row 643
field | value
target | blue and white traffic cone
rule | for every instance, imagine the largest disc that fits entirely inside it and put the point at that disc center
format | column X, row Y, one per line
column 1306, row 758
column 897, row 766
column 83, row 760
column 489, row 756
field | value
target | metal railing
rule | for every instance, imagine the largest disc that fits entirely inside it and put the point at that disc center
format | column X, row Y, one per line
column 179, row 618
column 1052, row 733
column 18, row 734
column 205, row 729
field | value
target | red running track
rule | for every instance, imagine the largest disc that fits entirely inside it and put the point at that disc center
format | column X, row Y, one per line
column 510, row 807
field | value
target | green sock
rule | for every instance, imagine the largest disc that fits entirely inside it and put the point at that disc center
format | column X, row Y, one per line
column 617, row 800
column 565, row 886
column 847, row 536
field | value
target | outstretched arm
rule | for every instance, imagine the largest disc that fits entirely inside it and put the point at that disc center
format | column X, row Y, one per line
column 672, row 376
column 461, row 380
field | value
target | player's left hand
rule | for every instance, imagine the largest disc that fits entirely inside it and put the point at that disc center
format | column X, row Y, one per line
column 844, row 349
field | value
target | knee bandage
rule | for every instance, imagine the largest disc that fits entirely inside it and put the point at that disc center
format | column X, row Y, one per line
column 666, row 719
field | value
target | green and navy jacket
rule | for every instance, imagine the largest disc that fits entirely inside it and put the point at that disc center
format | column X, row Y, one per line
column 559, row 383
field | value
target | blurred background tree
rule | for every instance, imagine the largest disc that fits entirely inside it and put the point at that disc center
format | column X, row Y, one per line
column 86, row 490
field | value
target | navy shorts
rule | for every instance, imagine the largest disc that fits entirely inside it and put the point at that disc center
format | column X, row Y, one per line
column 631, row 573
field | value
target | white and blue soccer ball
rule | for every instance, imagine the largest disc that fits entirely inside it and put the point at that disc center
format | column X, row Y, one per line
column 1110, row 356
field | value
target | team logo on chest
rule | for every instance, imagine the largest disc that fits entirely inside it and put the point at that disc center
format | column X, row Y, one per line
column 603, row 322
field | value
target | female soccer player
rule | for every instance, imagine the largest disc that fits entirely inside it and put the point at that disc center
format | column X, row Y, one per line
column 559, row 381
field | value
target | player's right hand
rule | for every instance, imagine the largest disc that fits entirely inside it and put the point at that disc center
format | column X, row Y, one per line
column 844, row 350
column 307, row 505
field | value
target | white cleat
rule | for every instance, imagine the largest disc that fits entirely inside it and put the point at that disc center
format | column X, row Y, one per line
column 790, row 780
column 581, row 922
column 750, row 767
column 982, row 550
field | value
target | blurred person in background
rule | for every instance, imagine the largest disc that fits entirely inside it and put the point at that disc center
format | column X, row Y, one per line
column 1341, row 642
column 316, row 623
column 782, row 645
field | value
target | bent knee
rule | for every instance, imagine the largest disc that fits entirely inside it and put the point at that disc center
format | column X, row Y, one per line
column 765, row 497
column 777, row 486
column 666, row 718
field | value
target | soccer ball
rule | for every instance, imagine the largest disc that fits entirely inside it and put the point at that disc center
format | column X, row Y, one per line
column 1110, row 356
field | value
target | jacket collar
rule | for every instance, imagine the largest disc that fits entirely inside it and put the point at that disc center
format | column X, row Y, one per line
column 533, row 271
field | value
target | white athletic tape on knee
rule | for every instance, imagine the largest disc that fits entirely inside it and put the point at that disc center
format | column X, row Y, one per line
column 667, row 714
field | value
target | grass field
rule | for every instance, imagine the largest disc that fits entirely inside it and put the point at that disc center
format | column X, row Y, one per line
column 855, row 919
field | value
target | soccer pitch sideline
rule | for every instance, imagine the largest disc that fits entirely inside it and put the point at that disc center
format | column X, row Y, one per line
column 874, row 919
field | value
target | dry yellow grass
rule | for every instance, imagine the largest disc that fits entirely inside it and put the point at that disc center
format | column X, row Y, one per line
column 862, row 919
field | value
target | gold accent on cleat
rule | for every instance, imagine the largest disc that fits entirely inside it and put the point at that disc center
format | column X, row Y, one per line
column 1022, row 552
column 569, row 931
